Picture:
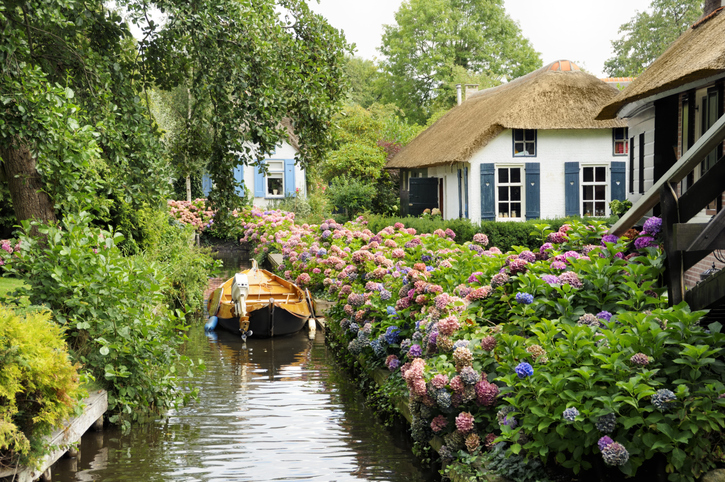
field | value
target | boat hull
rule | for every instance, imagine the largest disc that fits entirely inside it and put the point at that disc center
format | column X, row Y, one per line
column 265, row 324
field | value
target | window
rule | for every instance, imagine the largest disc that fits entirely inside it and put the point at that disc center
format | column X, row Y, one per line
column 594, row 190
column 621, row 147
column 509, row 192
column 524, row 143
column 275, row 179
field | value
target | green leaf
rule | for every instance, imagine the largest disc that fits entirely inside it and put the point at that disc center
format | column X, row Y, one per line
column 104, row 350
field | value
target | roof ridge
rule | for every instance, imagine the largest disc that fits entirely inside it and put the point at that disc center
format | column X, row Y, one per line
column 707, row 17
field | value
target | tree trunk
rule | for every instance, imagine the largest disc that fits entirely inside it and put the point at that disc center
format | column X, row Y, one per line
column 30, row 201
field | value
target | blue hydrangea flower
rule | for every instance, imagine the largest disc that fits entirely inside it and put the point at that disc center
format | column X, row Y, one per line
column 606, row 423
column 425, row 258
column 524, row 370
column 570, row 414
column 392, row 335
column 524, row 298
column 615, row 454
column 461, row 343
column 405, row 346
column 353, row 328
column 391, row 311
column 663, row 399
column 378, row 348
column 321, row 252
column 443, row 398
column 385, row 295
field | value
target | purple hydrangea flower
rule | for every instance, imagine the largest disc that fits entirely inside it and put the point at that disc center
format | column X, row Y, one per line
column 644, row 242
column 551, row 279
column 604, row 315
column 415, row 351
column 604, row 441
column 609, row 238
column 524, row 370
column 474, row 277
column 652, row 226
column 524, row 298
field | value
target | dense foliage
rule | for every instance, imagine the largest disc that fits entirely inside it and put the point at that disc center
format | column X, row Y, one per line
column 113, row 312
column 566, row 354
column 39, row 384
column 649, row 33
column 434, row 43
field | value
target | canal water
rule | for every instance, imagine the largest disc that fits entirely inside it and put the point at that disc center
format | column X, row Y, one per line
column 268, row 410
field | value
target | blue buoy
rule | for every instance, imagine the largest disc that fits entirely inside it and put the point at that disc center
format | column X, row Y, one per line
column 211, row 324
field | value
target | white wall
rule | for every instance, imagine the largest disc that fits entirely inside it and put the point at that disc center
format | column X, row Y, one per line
column 283, row 151
column 643, row 122
column 553, row 148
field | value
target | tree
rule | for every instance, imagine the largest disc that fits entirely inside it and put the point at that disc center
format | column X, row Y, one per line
column 74, row 133
column 647, row 35
column 432, row 38
column 252, row 68
column 367, row 83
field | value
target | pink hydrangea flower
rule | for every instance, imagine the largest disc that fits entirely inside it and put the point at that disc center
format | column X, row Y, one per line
column 464, row 422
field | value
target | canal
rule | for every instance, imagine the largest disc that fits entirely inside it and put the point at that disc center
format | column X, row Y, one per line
column 275, row 409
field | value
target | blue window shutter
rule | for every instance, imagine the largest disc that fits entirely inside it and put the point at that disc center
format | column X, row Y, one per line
column 239, row 177
column 488, row 198
column 533, row 190
column 460, row 193
column 619, row 173
column 571, row 188
column 206, row 184
column 258, row 182
column 289, row 177
column 465, row 191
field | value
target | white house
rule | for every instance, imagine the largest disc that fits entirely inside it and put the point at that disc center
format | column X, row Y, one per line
column 527, row 149
column 283, row 178
column 669, row 108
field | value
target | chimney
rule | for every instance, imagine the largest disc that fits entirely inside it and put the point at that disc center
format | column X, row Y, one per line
column 458, row 93
column 710, row 6
column 470, row 89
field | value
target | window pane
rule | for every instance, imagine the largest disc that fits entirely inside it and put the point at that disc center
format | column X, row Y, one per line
column 515, row 210
column 530, row 148
column 503, row 210
column 599, row 209
column 518, row 135
column 588, row 193
column 516, row 193
column 503, row 175
column 588, row 174
column 503, row 193
column 530, row 134
column 275, row 165
column 588, row 208
column 274, row 183
column 518, row 148
column 600, row 192
column 601, row 174
column 515, row 174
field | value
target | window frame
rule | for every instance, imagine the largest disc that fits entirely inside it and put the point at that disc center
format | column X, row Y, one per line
column 524, row 153
column 624, row 141
column 606, row 184
column 522, row 186
column 267, row 194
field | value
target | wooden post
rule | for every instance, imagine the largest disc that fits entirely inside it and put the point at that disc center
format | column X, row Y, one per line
column 674, row 270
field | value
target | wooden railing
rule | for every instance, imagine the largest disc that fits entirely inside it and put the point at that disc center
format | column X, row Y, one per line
column 687, row 243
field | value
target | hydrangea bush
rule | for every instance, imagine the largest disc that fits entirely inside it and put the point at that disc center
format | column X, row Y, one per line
column 568, row 354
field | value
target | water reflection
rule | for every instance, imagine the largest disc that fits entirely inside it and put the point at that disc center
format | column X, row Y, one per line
column 270, row 409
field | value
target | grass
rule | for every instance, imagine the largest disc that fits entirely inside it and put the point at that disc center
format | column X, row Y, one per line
column 7, row 286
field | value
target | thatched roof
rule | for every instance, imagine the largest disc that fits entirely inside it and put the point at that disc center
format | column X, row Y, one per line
column 697, row 54
column 557, row 96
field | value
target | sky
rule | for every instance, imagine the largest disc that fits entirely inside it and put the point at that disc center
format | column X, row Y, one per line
column 576, row 30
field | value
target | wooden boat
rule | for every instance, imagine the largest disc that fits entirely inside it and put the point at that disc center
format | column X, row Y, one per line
column 258, row 302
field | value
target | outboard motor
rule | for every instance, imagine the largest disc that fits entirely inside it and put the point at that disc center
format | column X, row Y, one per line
column 240, row 291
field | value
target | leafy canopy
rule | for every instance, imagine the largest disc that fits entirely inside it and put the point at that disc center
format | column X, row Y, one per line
column 433, row 40
column 647, row 35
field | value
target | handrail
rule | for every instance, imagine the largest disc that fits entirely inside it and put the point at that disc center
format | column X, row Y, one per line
column 689, row 161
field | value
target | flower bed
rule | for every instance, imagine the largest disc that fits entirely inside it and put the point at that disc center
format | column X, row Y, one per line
column 564, row 359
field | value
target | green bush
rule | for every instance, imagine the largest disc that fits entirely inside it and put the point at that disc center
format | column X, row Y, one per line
column 112, row 309
column 39, row 385
column 351, row 195
column 170, row 245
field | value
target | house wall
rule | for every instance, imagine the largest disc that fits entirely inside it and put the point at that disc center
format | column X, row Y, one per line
column 554, row 148
column 643, row 122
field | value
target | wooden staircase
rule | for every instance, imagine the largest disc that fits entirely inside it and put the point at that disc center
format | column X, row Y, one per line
column 687, row 243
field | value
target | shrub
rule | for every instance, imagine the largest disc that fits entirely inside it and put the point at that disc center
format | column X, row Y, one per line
column 351, row 195
column 112, row 310
column 39, row 385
